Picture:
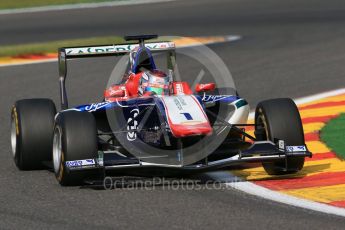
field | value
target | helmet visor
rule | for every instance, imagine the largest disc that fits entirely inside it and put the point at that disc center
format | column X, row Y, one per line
column 158, row 91
column 158, row 85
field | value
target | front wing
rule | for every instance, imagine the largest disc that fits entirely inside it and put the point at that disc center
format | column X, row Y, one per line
column 260, row 151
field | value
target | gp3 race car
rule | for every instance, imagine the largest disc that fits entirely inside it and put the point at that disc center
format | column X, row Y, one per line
column 151, row 124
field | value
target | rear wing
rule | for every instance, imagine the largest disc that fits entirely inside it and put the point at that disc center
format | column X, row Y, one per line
column 100, row 51
column 112, row 50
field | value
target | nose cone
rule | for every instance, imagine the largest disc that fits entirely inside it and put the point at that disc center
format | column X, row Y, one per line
column 186, row 116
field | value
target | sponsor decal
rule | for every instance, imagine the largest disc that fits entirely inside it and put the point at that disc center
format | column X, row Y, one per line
column 281, row 144
column 80, row 163
column 187, row 116
column 183, row 102
column 214, row 98
column 116, row 48
column 179, row 88
column 178, row 104
column 96, row 106
column 300, row 148
column 115, row 91
column 132, row 124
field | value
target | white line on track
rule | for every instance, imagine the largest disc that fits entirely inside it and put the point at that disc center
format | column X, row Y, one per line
column 265, row 193
column 311, row 98
column 256, row 190
column 319, row 96
column 79, row 6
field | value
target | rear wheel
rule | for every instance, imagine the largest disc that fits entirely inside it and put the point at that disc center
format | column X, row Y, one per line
column 75, row 138
column 32, row 122
column 280, row 119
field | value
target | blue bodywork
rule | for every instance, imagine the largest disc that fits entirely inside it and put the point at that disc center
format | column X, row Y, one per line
column 150, row 100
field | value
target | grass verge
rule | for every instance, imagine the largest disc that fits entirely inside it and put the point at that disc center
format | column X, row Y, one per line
column 16, row 4
column 51, row 47
column 333, row 134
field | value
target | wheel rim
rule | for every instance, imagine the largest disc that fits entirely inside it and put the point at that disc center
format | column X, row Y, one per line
column 13, row 136
column 57, row 149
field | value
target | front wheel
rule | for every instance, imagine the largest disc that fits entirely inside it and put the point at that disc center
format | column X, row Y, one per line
column 280, row 119
column 75, row 139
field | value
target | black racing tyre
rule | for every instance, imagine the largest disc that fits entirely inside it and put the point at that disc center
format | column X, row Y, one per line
column 75, row 138
column 32, row 122
column 280, row 119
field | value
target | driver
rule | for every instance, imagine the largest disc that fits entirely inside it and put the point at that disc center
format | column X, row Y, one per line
column 154, row 82
column 144, row 83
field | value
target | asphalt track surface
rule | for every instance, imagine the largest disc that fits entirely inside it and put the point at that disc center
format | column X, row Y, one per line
column 289, row 49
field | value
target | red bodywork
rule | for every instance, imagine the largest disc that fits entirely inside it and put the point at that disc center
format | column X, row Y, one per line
column 131, row 86
column 205, row 87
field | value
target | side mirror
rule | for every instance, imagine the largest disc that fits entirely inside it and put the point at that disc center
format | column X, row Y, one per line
column 118, row 93
column 205, row 87
column 115, row 91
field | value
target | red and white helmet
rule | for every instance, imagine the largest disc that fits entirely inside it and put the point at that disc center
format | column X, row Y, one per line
column 155, row 82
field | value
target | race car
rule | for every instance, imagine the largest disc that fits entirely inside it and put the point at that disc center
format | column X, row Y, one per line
column 149, row 123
